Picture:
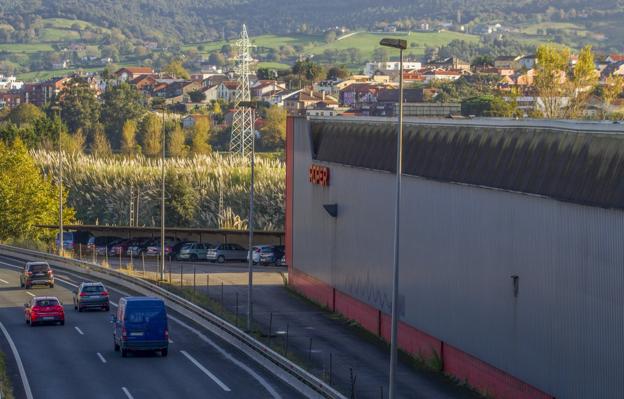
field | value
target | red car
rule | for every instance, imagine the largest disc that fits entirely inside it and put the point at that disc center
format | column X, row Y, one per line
column 44, row 309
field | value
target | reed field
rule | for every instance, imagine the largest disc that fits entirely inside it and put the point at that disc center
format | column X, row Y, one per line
column 102, row 191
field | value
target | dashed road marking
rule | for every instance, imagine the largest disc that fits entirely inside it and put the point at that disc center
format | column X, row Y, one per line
column 206, row 371
column 79, row 330
column 30, row 293
column 4, row 281
column 101, row 357
column 128, row 394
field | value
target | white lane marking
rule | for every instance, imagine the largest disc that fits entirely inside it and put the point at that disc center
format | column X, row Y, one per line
column 170, row 341
column 206, row 371
column 10, row 265
column 4, row 281
column 30, row 293
column 101, row 357
column 18, row 360
column 228, row 356
column 223, row 352
column 79, row 330
column 66, row 282
column 128, row 394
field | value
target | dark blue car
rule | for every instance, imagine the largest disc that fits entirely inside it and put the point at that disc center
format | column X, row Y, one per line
column 141, row 325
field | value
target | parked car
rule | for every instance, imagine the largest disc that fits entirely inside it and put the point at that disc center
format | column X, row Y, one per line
column 138, row 246
column 119, row 247
column 99, row 244
column 73, row 239
column 36, row 273
column 193, row 251
column 141, row 325
column 44, row 309
column 153, row 249
column 91, row 295
column 175, row 250
column 271, row 254
column 226, row 252
column 281, row 261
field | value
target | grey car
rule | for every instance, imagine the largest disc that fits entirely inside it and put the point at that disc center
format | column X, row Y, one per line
column 226, row 252
column 91, row 296
column 36, row 273
column 193, row 251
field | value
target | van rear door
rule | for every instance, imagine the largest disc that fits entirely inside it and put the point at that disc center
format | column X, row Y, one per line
column 145, row 321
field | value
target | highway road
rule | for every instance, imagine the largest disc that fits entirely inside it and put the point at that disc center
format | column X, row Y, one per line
column 78, row 360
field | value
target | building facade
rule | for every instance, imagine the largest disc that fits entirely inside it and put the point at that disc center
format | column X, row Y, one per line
column 510, row 244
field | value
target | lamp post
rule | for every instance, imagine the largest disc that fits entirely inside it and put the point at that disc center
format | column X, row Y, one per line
column 61, row 247
column 162, row 200
column 401, row 45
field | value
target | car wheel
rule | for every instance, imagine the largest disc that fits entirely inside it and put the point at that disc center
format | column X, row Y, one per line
column 62, row 322
column 124, row 352
column 79, row 308
column 51, row 285
column 115, row 347
column 194, row 257
column 21, row 285
column 221, row 259
column 27, row 286
column 164, row 352
column 27, row 322
column 106, row 308
column 31, row 323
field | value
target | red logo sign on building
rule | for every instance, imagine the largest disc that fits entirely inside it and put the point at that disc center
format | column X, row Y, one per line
column 319, row 175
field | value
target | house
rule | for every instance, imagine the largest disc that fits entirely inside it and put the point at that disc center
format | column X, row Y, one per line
column 615, row 68
column 144, row 84
column 528, row 61
column 214, row 80
column 449, row 63
column 129, row 73
column 440, row 75
column 305, row 99
column 262, row 87
column 487, row 70
column 279, row 98
column 358, row 93
column 390, row 67
column 189, row 121
column 10, row 83
column 10, row 100
column 227, row 90
column 41, row 93
column 64, row 64
column 178, row 91
column 388, row 100
column 508, row 61
column 613, row 58
column 211, row 93
column 321, row 109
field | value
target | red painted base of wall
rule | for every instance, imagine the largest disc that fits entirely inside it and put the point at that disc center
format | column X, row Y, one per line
column 480, row 375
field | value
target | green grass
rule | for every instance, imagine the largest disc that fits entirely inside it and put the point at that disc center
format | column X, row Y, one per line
column 532, row 29
column 43, row 75
column 58, row 35
column 25, row 48
column 5, row 382
column 64, row 23
column 273, row 65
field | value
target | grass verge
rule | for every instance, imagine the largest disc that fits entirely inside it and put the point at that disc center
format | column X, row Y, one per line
column 5, row 383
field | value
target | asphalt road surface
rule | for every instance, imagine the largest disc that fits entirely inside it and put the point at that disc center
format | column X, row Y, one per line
column 77, row 359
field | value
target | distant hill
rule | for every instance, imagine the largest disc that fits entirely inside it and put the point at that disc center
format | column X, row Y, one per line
column 204, row 20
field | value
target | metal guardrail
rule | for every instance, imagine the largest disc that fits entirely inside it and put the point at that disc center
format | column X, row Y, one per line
column 311, row 381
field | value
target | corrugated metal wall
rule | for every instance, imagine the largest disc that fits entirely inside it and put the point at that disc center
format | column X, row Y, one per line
column 460, row 245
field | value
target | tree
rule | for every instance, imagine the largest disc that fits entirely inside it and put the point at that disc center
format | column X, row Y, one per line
column 73, row 143
column 381, row 54
column 584, row 80
column 175, row 68
column 181, row 200
column 100, row 146
column 197, row 96
column 27, row 198
column 200, row 135
column 25, row 114
column 550, row 82
column 129, row 144
column 338, row 72
column 177, row 142
column 308, row 70
column 274, row 129
column 216, row 59
column 151, row 135
column 120, row 103
column 80, row 108
column 330, row 36
column 486, row 105
column 611, row 90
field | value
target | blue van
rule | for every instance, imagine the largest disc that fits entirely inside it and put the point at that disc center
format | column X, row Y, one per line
column 141, row 325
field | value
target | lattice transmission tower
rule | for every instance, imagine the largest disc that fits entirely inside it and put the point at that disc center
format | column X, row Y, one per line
column 242, row 137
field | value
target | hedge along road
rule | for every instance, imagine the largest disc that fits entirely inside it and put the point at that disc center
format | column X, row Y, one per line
column 78, row 359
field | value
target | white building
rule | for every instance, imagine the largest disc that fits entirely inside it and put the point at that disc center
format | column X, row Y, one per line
column 389, row 67
column 10, row 83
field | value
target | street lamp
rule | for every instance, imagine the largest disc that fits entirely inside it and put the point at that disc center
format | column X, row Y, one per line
column 60, row 248
column 401, row 45
column 162, row 200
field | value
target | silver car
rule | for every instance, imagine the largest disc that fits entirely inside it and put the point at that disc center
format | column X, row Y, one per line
column 226, row 252
column 193, row 251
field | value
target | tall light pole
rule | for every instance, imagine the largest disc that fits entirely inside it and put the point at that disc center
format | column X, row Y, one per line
column 251, row 224
column 401, row 45
column 162, row 200
column 61, row 248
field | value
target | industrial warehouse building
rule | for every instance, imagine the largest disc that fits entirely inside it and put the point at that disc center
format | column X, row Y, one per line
column 511, row 244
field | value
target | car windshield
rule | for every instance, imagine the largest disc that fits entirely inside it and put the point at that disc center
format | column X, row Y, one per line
column 93, row 288
column 39, row 268
column 46, row 302
column 267, row 250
